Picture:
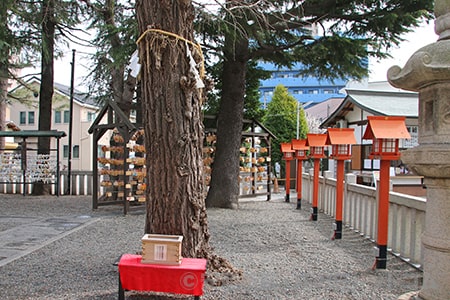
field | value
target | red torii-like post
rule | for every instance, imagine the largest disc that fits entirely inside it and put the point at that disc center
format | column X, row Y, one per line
column 316, row 143
column 288, row 155
column 300, row 148
column 385, row 133
column 340, row 140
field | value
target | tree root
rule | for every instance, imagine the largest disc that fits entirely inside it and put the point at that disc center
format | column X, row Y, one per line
column 219, row 271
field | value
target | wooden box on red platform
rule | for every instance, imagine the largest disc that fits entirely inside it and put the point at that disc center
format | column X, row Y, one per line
column 161, row 249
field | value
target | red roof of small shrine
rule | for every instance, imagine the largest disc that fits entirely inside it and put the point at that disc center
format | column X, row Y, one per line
column 316, row 139
column 341, row 136
column 299, row 144
column 386, row 127
column 286, row 147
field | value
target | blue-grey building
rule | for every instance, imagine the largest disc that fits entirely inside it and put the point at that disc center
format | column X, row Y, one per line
column 307, row 90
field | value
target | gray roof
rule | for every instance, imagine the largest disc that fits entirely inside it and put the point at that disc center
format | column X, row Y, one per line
column 386, row 103
column 79, row 96
column 377, row 103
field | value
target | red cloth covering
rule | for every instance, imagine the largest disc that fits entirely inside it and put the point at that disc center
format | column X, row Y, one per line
column 186, row 278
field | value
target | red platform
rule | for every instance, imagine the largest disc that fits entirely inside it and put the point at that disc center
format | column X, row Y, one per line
column 186, row 278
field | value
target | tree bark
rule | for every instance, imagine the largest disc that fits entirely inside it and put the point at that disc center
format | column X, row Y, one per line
column 224, row 187
column 46, row 88
column 173, row 126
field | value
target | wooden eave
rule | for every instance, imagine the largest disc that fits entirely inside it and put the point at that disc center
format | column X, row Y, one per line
column 111, row 107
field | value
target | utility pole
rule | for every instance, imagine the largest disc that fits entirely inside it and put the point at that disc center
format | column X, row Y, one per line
column 69, row 164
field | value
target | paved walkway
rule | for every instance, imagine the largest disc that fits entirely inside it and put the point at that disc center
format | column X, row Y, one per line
column 22, row 234
column 28, row 234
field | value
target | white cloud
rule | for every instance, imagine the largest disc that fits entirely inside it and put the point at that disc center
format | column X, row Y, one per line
column 422, row 36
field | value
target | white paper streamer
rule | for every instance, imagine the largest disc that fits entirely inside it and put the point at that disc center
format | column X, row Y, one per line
column 193, row 68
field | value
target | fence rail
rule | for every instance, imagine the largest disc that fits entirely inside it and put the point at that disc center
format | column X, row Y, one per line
column 406, row 213
column 80, row 184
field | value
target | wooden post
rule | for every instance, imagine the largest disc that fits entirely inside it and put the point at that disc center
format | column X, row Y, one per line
column 299, row 183
column 339, row 198
column 315, row 190
column 288, row 180
column 383, row 214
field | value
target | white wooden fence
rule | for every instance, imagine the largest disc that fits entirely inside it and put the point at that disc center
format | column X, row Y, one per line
column 81, row 184
column 406, row 213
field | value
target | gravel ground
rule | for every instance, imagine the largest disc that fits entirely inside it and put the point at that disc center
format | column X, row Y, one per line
column 282, row 254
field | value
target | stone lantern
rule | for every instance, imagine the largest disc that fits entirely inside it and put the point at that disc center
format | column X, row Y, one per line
column 428, row 73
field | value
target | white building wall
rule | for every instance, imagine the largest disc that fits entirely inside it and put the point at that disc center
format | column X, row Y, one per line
column 80, row 135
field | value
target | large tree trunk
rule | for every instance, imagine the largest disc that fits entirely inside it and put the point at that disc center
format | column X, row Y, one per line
column 46, row 88
column 224, row 187
column 173, row 126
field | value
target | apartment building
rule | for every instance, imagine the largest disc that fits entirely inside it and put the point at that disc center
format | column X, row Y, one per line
column 23, row 113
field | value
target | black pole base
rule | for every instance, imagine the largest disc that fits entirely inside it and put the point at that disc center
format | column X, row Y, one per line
column 337, row 230
column 314, row 211
column 299, row 203
column 381, row 259
column 286, row 199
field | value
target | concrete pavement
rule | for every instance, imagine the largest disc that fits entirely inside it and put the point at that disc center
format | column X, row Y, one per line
column 28, row 234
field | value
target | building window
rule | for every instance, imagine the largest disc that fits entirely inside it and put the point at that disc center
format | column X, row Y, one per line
column 66, row 151
column 76, row 151
column 66, row 116
column 414, row 140
column 57, row 116
column 31, row 117
column 90, row 116
column 23, row 117
column 328, row 91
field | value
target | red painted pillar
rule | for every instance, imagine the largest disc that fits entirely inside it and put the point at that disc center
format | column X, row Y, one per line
column 315, row 189
column 339, row 198
column 383, row 214
column 299, row 183
column 288, row 179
